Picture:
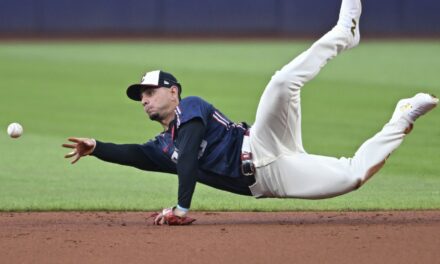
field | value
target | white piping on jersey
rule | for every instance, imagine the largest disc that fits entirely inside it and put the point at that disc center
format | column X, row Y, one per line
column 220, row 119
column 178, row 118
column 178, row 113
column 240, row 126
column 178, row 110
column 216, row 115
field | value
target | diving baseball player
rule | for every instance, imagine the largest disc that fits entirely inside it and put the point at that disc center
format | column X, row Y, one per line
column 200, row 144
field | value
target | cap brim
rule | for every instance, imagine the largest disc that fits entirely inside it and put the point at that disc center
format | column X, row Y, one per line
column 134, row 91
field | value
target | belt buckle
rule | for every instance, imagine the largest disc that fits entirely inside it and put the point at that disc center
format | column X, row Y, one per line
column 247, row 168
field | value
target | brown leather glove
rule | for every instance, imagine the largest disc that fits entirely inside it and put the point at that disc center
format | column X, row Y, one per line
column 167, row 217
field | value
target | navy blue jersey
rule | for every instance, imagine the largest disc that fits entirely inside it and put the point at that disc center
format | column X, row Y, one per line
column 220, row 149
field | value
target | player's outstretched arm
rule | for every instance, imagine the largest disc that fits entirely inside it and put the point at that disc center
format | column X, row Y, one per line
column 81, row 147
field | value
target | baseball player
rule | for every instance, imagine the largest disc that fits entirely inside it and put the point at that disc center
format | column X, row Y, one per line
column 200, row 144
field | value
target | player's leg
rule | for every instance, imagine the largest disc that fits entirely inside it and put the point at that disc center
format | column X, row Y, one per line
column 311, row 176
column 371, row 156
column 277, row 127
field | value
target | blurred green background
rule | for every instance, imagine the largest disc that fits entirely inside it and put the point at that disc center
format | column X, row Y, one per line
column 61, row 89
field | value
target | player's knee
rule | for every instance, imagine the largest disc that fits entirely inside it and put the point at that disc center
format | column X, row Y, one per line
column 372, row 171
column 353, row 182
column 357, row 184
column 360, row 180
column 280, row 79
column 284, row 79
column 350, row 181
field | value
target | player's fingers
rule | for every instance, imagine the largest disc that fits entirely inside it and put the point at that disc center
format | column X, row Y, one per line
column 73, row 139
column 70, row 154
column 76, row 159
column 157, row 220
column 69, row 145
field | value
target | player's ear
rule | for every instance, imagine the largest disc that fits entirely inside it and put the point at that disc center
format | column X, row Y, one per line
column 175, row 92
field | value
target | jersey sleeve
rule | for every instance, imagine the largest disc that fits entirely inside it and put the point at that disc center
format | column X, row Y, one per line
column 126, row 154
column 193, row 108
column 189, row 140
column 147, row 157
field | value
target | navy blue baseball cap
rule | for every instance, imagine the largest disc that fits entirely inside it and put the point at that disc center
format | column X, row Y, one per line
column 152, row 79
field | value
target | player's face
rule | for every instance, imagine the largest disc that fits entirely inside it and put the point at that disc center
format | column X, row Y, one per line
column 158, row 103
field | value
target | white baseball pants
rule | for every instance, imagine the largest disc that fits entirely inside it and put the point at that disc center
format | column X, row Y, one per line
column 283, row 168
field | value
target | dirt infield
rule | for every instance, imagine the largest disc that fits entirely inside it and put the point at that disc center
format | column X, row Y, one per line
column 288, row 237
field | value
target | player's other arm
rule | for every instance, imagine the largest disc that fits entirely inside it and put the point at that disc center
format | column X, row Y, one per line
column 123, row 154
column 190, row 136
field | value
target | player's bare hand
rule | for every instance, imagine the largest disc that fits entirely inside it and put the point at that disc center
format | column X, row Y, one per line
column 80, row 147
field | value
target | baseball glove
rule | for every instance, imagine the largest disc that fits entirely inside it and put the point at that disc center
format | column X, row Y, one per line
column 167, row 217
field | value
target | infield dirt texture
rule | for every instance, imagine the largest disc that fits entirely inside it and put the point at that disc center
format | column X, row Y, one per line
column 59, row 89
column 333, row 238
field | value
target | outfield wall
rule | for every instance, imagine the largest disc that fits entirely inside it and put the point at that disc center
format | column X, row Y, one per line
column 152, row 17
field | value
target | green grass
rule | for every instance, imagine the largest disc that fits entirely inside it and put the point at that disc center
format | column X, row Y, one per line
column 57, row 89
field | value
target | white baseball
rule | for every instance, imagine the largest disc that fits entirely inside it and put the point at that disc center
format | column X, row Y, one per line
column 15, row 130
